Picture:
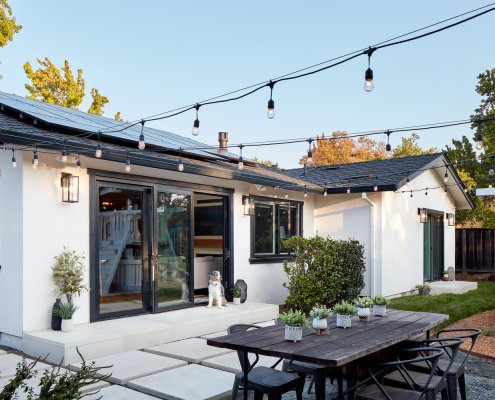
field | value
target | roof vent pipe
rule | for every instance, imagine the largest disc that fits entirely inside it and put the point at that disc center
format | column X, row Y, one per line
column 223, row 140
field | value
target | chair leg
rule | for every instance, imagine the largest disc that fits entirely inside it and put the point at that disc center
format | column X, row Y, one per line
column 311, row 384
column 452, row 387
column 235, row 388
column 275, row 396
column 320, row 380
column 258, row 395
column 462, row 387
column 445, row 394
column 299, row 391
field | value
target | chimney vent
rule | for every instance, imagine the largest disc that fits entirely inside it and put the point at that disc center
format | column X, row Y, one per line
column 223, row 140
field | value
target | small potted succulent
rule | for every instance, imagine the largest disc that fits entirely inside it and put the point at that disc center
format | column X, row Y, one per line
column 380, row 304
column 344, row 312
column 364, row 305
column 294, row 321
column 320, row 314
column 236, row 293
column 66, row 311
column 423, row 289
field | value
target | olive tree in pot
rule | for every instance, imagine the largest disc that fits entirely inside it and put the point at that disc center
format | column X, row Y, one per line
column 68, row 276
column 295, row 321
column 344, row 312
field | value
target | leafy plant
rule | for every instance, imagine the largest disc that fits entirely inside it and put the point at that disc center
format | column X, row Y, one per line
column 381, row 301
column 236, row 290
column 423, row 289
column 363, row 302
column 344, row 308
column 319, row 312
column 65, row 311
column 294, row 318
column 68, row 274
column 323, row 271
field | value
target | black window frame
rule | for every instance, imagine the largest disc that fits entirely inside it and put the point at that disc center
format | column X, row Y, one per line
column 277, row 257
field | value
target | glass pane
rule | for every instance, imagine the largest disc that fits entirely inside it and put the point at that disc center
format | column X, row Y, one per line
column 294, row 221
column 427, row 251
column 264, row 227
column 172, row 232
column 283, row 225
column 120, row 249
column 436, row 246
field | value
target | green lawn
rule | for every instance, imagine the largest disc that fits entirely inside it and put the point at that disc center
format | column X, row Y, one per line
column 457, row 306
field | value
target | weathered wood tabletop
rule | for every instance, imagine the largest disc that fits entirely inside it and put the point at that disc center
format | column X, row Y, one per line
column 341, row 346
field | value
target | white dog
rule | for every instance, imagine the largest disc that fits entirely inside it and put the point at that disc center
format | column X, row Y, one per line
column 216, row 292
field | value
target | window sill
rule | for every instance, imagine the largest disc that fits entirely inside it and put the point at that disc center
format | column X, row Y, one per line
column 270, row 259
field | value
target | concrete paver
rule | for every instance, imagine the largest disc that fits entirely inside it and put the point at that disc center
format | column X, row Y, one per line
column 230, row 362
column 132, row 365
column 116, row 392
column 193, row 382
column 8, row 364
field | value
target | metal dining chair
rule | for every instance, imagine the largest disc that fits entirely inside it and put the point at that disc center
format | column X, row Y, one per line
column 264, row 380
column 411, row 377
column 378, row 390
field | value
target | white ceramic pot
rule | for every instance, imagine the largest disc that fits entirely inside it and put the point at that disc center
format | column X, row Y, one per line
column 344, row 321
column 293, row 333
column 67, row 325
column 237, row 300
column 379, row 310
column 364, row 313
column 320, row 323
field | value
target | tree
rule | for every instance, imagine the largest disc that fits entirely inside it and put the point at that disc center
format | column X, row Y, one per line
column 266, row 163
column 8, row 26
column 410, row 147
column 98, row 103
column 118, row 116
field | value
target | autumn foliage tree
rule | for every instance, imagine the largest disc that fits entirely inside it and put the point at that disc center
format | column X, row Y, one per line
column 8, row 25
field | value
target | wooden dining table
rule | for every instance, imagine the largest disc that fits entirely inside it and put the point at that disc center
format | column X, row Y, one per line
column 337, row 349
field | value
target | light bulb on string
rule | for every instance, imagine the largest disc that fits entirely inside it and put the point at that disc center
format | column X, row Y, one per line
column 36, row 160
column 14, row 161
column 368, row 75
column 388, row 148
column 445, row 191
column 479, row 137
column 64, row 153
column 305, row 192
column 240, row 165
column 141, row 143
column 348, row 190
column 128, row 164
column 375, row 188
column 426, row 192
column 491, row 172
column 411, row 194
column 78, row 162
column 180, row 167
column 98, row 148
column 309, row 159
column 325, row 193
column 407, row 182
column 446, row 176
column 195, row 129
column 270, row 113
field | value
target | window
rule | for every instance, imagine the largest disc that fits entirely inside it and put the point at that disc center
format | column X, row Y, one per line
column 272, row 223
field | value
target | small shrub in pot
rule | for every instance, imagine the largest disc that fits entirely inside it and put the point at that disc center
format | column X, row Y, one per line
column 294, row 321
column 363, row 305
column 344, row 312
column 320, row 314
column 380, row 304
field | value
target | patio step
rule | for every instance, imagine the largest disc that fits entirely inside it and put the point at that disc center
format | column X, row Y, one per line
column 453, row 287
column 105, row 338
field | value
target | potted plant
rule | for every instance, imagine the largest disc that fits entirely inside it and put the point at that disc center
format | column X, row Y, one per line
column 66, row 311
column 364, row 305
column 295, row 321
column 236, row 293
column 445, row 274
column 344, row 312
column 423, row 289
column 320, row 314
column 380, row 304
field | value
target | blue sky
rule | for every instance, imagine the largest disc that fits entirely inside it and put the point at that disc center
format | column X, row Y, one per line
column 152, row 56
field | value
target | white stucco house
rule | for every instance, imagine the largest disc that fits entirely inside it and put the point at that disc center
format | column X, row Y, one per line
column 151, row 233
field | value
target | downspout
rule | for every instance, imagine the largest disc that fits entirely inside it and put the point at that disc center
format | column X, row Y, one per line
column 364, row 196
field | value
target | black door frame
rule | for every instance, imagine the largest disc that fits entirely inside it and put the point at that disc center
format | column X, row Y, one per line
column 441, row 245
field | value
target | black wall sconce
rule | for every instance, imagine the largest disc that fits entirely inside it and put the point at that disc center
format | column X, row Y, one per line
column 423, row 215
column 70, row 188
column 248, row 205
column 450, row 217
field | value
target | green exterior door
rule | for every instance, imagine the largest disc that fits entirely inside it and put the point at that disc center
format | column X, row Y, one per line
column 433, row 247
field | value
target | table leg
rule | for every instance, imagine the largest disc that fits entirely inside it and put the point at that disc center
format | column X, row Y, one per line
column 351, row 371
column 340, row 384
column 245, row 367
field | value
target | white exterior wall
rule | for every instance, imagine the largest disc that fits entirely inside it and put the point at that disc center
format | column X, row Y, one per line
column 11, row 273
column 402, row 234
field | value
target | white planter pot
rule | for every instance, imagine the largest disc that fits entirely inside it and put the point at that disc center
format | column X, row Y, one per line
column 364, row 313
column 379, row 311
column 237, row 300
column 344, row 321
column 67, row 325
column 320, row 323
column 293, row 333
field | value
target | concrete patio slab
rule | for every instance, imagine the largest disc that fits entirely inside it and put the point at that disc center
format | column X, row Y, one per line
column 192, row 350
column 2, row 352
column 132, row 365
column 230, row 362
column 116, row 392
column 214, row 335
column 193, row 382
column 453, row 287
column 8, row 364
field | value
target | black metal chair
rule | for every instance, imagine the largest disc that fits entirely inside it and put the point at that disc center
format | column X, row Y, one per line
column 264, row 380
column 421, row 379
column 381, row 391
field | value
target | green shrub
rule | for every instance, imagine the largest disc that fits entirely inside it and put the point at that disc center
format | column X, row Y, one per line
column 363, row 302
column 236, row 290
column 324, row 271
column 294, row 318
column 66, row 310
column 319, row 312
column 380, row 301
column 344, row 308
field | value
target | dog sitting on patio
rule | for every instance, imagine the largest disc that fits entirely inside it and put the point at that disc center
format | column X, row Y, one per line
column 216, row 292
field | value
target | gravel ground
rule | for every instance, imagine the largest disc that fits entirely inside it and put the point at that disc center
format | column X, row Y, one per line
column 480, row 382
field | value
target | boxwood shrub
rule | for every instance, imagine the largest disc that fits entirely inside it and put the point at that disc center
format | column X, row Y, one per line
column 323, row 271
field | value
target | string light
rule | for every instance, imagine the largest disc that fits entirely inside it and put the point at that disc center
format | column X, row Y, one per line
column 325, row 190
column 271, row 104
column 35, row 121
column 368, row 75
column 78, row 162
column 479, row 137
column 240, row 165
column 64, row 153
column 180, row 167
column 445, row 191
column 446, row 176
column 491, row 172
column 98, row 148
column 411, row 194
column 141, row 143
column 286, row 195
column 348, row 189
column 36, row 160
column 426, row 192
column 309, row 159
column 195, row 129
column 388, row 148
column 407, row 182
column 21, row 115
column 375, row 188
column 14, row 162
column 128, row 164
column 305, row 192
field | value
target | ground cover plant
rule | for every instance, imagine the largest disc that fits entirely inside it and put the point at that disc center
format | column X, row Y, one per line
column 457, row 306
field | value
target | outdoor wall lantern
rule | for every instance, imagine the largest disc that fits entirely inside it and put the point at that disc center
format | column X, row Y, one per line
column 248, row 205
column 450, row 217
column 423, row 215
column 70, row 188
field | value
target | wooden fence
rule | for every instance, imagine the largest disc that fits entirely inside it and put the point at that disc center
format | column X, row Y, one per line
column 475, row 250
